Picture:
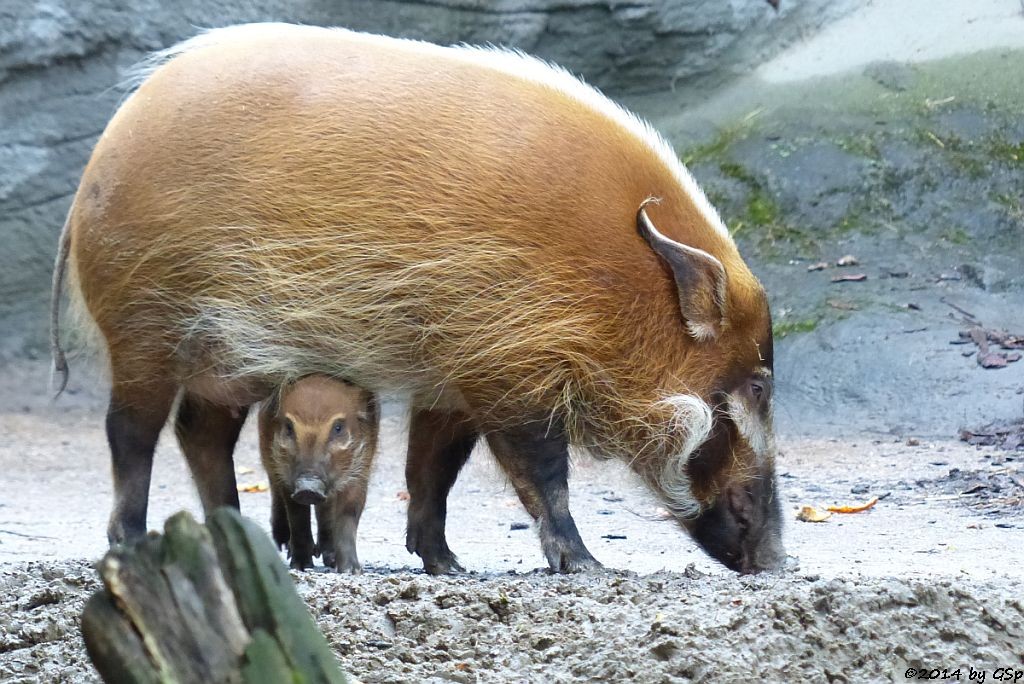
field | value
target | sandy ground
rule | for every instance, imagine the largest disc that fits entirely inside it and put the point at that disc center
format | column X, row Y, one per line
column 929, row 577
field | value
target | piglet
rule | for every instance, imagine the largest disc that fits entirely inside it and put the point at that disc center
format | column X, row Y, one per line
column 318, row 437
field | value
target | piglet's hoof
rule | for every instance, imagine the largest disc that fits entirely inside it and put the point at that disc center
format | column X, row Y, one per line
column 301, row 559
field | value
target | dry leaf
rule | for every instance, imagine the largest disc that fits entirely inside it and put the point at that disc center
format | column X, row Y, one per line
column 812, row 514
column 854, row 509
column 253, row 488
column 244, row 470
column 848, row 260
column 820, row 266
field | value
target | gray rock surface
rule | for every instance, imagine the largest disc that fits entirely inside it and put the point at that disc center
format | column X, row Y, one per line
column 61, row 61
column 919, row 178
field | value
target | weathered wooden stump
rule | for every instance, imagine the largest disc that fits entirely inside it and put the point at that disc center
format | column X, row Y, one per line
column 209, row 603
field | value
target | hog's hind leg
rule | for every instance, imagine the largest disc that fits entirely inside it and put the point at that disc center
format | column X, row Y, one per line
column 207, row 434
column 134, row 421
column 439, row 445
column 536, row 459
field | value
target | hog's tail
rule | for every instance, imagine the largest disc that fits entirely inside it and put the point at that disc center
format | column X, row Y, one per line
column 60, row 361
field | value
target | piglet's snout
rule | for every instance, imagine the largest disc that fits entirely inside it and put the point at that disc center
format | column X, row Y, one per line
column 309, row 490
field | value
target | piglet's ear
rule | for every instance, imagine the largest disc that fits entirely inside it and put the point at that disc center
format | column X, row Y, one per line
column 700, row 279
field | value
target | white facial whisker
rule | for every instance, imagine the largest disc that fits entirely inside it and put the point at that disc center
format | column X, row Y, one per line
column 692, row 416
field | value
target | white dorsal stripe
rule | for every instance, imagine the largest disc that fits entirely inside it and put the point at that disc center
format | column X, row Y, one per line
column 512, row 62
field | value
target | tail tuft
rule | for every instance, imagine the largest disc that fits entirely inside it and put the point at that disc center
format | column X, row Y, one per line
column 60, row 361
column 60, row 369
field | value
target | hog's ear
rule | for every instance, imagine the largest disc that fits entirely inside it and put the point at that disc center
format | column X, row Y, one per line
column 700, row 280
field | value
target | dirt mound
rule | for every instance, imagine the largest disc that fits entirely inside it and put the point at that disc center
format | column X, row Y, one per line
column 668, row 626
column 39, row 623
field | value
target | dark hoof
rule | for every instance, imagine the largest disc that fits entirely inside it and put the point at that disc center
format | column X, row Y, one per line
column 298, row 563
column 442, row 564
column 571, row 565
column 349, row 567
column 570, row 558
column 281, row 534
column 438, row 559
column 301, row 558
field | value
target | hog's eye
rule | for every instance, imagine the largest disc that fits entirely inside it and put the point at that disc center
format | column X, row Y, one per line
column 289, row 428
column 757, row 388
column 338, row 427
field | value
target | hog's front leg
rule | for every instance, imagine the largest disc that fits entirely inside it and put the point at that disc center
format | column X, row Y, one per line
column 536, row 459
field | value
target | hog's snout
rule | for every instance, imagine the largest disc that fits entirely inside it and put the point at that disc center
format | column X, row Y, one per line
column 309, row 491
column 742, row 530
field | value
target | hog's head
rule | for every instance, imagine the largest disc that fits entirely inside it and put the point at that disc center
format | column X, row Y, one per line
column 323, row 430
column 716, row 473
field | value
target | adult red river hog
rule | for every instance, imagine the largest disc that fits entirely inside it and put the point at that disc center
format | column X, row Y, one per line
column 468, row 227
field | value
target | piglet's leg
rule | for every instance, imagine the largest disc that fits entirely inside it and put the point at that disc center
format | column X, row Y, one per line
column 344, row 509
column 300, row 545
column 536, row 459
column 325, row 531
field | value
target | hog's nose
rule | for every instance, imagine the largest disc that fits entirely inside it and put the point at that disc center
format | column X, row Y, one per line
column 309, row 491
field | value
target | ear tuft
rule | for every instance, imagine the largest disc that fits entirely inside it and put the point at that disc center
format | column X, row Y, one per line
column 700, row 279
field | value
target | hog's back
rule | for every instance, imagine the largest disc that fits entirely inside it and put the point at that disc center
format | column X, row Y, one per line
column 288, row 200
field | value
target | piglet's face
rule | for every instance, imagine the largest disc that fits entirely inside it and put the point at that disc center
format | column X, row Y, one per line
column 322, row 433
